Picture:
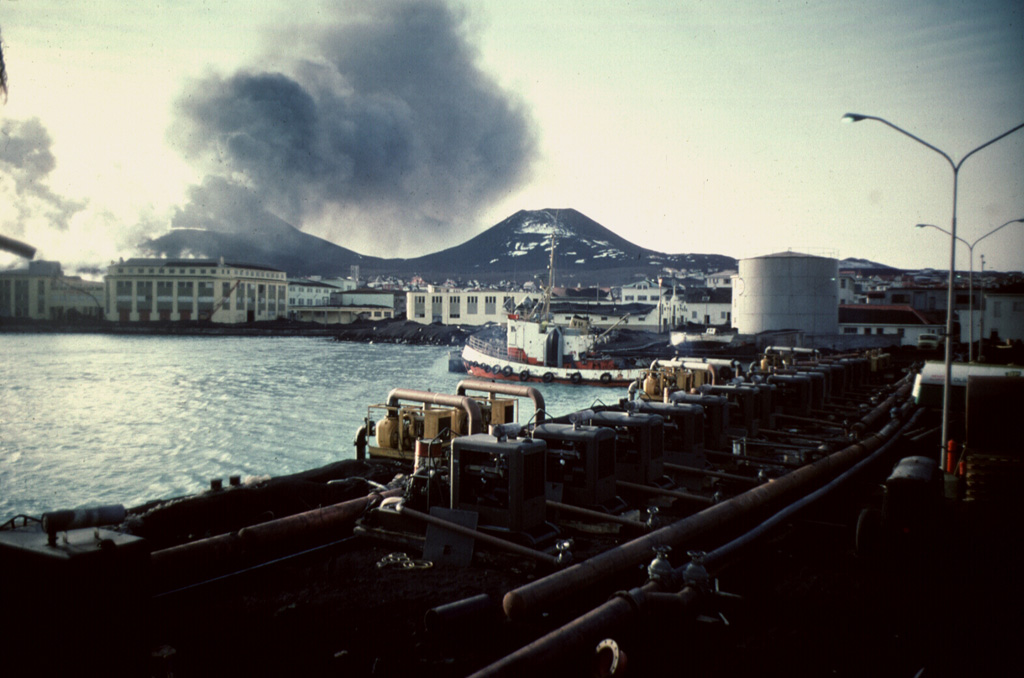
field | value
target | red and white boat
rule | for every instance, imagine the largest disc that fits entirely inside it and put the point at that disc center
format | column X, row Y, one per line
column 539, row 351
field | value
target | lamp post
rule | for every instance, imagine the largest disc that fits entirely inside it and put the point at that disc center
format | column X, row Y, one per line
column 970, row 278
column 981, row 328
column 857, row 117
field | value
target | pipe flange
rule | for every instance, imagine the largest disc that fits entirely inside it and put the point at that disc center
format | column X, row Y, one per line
column 635, row 597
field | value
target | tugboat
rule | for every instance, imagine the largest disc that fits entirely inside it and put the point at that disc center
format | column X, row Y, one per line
column 540, row 351
column 535, row 349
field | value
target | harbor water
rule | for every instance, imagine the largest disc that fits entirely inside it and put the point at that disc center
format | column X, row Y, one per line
column 106, row 419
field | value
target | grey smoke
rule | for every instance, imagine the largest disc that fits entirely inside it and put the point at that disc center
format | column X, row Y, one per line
column 26, row 158
column 384, row 112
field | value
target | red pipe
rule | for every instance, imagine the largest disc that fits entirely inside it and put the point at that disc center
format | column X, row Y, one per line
column 224, row 549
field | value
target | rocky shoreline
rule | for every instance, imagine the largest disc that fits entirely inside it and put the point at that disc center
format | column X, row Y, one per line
column 385, row 331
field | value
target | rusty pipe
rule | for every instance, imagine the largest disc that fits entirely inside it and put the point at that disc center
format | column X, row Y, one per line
column 572, row 642
column 470, row 406
column 529, row 598
column 505, row 388
column 488, row 539
column 312, row 522
column 225, row 548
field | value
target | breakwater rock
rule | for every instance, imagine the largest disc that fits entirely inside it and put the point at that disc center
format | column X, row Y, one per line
column 405, row 332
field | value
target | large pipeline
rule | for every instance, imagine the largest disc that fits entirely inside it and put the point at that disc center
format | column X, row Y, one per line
column 578, row 638
column 472, row 409
column 506, row 388
column 531, row 598
column 230, row 548
column 16, row 247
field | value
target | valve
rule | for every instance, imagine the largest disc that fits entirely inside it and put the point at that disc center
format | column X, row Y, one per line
column 564, row 553
column 652, row 518
column 695, row 574
column 660, row 569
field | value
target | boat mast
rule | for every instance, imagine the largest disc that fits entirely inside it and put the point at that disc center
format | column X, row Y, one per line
column 551, row 281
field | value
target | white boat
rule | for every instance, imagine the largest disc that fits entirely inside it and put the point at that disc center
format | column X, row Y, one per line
column 535, row 349
column 539, row 351
column 709, row 337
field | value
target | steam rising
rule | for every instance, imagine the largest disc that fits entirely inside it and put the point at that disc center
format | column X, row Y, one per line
column 27, row 204
column 382, row 125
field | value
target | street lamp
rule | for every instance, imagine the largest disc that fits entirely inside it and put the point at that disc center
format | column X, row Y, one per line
column 970, row 279
column 857, row 117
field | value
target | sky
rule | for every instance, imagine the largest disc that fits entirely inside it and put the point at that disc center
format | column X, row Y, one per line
column 396, row 129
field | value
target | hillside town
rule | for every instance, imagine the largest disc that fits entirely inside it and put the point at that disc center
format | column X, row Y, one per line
column 820, row 298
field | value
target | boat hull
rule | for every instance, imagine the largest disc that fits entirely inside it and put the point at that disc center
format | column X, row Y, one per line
column 480, row 364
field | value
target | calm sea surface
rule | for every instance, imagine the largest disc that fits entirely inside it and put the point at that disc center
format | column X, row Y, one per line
column 98, row 419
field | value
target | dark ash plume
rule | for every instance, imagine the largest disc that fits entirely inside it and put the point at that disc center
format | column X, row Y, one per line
column 3, row 70
column 384, row 124
column 26, row 160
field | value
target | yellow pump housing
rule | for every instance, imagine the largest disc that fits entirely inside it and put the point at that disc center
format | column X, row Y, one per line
column 398, row 430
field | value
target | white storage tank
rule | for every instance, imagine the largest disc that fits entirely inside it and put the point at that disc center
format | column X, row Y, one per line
column 786, row 291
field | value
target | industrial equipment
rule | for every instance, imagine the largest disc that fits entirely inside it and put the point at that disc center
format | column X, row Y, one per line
column 397, row 431
column 581, row 460
column 501, row 478
column 639, row 445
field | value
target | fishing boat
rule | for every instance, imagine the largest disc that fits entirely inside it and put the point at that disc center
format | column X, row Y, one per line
column 535, row 349
column 540, row 351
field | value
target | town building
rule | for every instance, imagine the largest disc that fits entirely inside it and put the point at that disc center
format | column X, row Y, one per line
column 181, row 290
column 720, row 279
column 343, row 307
column 900, row 324
column 462, row 307
column 707, row 305
column 642, row 292
column 303, row 292
column 1002, row 318
column 449, row 306
column 42, row 292
column 923, row 298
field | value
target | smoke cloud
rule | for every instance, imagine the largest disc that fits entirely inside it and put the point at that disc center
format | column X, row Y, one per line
column 381, row 130
column 28, row 206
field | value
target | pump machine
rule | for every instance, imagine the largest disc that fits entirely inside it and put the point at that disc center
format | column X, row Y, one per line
column 581, row 460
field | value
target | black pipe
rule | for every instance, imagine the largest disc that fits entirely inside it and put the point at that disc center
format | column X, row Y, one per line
column 16, row 247
column 460, row 614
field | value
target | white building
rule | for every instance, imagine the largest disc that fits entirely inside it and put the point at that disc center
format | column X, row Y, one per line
column 1003, row 316
column 479, row 307
column 461, row 307
column 42, row 292
column 720, row 279
column 900, row 324
column 306, row 292
column 641, row 292
column 180, row 290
